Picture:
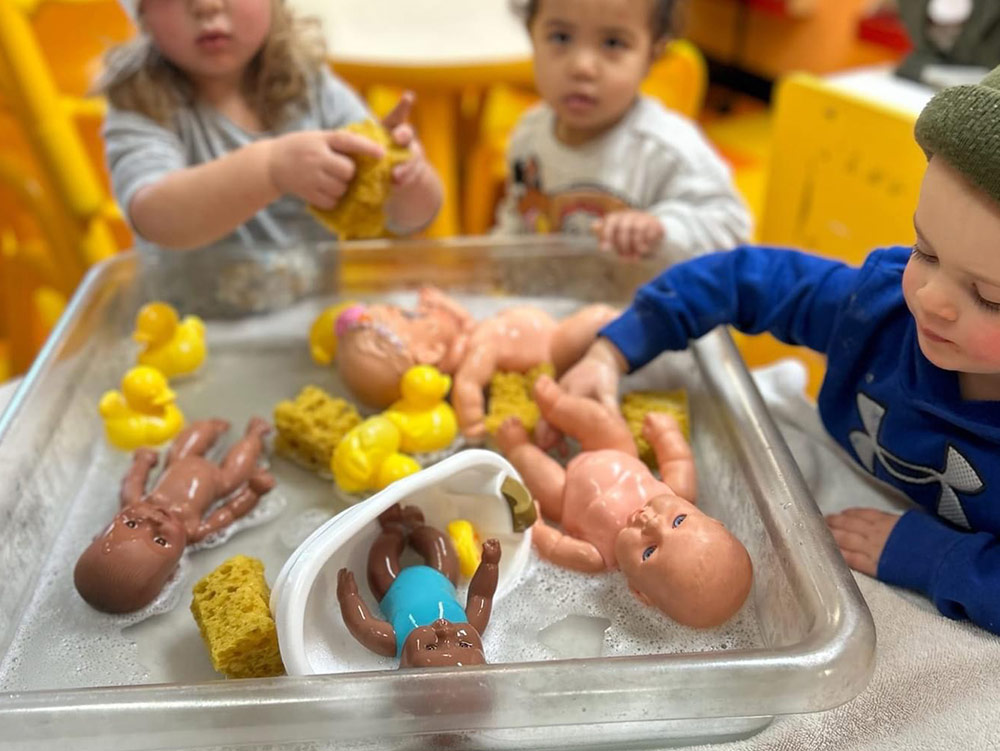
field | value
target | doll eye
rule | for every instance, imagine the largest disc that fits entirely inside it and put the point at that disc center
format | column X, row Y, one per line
column 648, row 552
column 465, row 645
column 680, row 520
column 160, row 541
column 431, row 647
column 131, row 524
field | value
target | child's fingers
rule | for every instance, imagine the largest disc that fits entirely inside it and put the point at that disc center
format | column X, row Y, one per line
column 351, row 143
column 403, row 134
column 400, row 112
column 609, row 226
column 622, row 237
column 338, row 167
column 408, row 172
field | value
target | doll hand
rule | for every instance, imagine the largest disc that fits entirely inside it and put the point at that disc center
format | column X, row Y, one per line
column 346, row 586
column 491, row 551
column 861, row 534
column 631, row 234
column 316, row 165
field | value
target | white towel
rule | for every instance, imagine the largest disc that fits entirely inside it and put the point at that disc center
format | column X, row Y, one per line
column 936, row 683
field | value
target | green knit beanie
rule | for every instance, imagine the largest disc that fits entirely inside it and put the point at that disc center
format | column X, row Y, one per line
column 962, row 124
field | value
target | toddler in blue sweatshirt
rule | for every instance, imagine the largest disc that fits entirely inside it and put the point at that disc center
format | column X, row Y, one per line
column 912, row 338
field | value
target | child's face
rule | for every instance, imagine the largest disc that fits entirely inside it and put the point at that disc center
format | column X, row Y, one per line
column 590, row 57
column 952, row 281
column 208, row 39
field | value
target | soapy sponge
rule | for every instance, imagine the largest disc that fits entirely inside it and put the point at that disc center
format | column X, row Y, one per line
column 311, row 426
column 359, row 212
column 231, row 609
column 510, row 396
column 637, row 404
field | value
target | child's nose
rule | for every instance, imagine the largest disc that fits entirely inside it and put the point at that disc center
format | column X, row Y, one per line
column 937, row 301
column 206, row 7
column 584, row 62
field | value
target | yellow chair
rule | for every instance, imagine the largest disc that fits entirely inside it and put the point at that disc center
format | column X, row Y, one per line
column 678, row 79
column 57, row 216
column 844, row 179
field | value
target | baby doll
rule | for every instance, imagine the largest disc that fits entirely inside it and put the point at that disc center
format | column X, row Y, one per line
column 127, row 565
column 615, row 513
column 378, row 343
column 426, row 626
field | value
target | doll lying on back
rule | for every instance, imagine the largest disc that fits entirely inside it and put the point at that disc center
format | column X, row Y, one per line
column 378, row 343
column 125, row 567
column 426, row 625
column 615, row 514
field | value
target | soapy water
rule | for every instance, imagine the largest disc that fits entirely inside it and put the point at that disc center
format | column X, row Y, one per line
column 63, row 643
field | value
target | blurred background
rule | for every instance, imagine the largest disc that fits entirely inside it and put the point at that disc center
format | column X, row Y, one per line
column 801, row 97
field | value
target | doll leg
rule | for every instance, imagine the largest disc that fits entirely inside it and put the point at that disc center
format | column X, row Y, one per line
column 383, row 559
column 673, row 454
column 436, row 550
column 241, row 460
column 196, row 439
column 576, row 333
column 134, row 485
column 586, row 420
column 543, row 475
column 241, row 504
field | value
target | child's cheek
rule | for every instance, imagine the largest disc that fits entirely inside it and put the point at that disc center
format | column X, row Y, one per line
column 984, row 344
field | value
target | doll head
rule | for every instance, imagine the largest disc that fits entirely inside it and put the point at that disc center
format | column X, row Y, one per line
column 126, row 567
column 683, row 562
column 442, row 643
column 377, row 344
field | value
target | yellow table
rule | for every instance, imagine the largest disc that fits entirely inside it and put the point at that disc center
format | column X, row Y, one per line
column 438, row 48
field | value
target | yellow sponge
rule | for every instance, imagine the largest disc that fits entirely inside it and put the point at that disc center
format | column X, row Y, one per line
column 359, row 212
column 510, row 396
column 310, row 427
column 637, row 404
column 231, row 608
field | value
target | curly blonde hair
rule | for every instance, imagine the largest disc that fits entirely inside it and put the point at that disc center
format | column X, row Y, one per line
column 138, row 78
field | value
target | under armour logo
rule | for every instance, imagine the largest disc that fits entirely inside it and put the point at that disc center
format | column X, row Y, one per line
column 959, row 475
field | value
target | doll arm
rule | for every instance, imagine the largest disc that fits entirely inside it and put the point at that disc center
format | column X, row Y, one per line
column 377, row 635
column 673, row 454
column 479, row 604
column 467, row 393
column 569, row 552
column 239, row 505
column 432, row 297
column 134, row 484
column 959, row 571
column 796, row 296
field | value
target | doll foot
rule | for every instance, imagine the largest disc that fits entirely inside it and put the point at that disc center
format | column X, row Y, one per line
column 261, row 482
column 146, row 456
column 258, row 427
column 657, row 424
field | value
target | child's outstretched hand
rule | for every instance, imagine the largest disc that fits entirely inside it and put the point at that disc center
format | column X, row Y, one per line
column 316, row 165
column 861, row 534
column 596, row 374
column 629, row 233
column 416, row 195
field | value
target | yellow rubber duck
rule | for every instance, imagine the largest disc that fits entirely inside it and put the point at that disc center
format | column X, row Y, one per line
column 467, row 546
column 323, row 334
column 143, row 413
column 425, row 420
column 172, row 346
column 368, row 457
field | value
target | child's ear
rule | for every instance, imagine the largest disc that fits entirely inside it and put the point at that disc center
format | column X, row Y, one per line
column 656, row 51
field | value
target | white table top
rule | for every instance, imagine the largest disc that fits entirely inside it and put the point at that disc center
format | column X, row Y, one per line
column 419, row 32
column 882, row 85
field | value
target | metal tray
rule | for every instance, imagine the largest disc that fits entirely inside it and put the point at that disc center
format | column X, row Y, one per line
column 804, row 642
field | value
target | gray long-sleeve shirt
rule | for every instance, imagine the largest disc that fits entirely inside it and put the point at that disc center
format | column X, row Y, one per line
column 140, row 152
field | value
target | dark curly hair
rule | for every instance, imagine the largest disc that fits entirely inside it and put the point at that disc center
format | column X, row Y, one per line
column 661, row 17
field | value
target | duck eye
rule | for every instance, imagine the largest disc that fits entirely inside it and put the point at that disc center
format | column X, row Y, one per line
column 648, row 552
column 131, row 524
column 678, row 521
column 160, row 541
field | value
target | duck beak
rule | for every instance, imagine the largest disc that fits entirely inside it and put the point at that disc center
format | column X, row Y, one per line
column 142, row 337
column 165, row 398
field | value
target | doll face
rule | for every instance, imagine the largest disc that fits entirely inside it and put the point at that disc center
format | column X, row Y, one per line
column 590, row 57
column 208, row 39
column 443, row 643
column 952, row 281
column 127, row 566
column 683, row 562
